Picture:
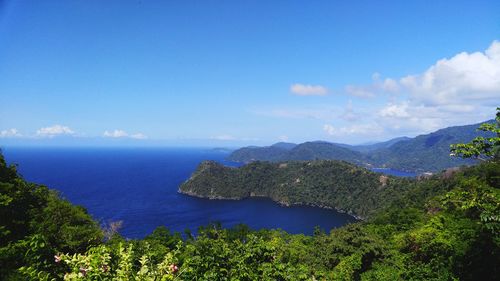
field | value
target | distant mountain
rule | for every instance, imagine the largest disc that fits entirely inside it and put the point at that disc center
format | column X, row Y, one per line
column 284, row 145
column 305, row 151
column 322, row 151
column 378, row 145
column 430, row 152
column 273, row 153
column 266, row 153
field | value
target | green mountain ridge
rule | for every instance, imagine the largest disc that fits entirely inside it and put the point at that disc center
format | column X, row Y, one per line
column 429, row 152
column 377, row 145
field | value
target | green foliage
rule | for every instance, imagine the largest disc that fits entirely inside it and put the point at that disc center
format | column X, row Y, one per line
column 348, row 268
column 477, row 201
column 105, row 263
column 67, row 227
column 482, row 148
column 324, row 183
column 35, row 224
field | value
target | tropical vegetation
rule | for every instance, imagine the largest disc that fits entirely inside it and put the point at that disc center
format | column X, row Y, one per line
column 323, row 183
column 445, row 227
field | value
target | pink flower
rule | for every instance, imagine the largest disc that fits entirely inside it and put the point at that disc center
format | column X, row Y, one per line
column 83, row 271
column 174, row 268
column 57, row 258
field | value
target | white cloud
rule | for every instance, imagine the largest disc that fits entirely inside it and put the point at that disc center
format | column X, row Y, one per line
column 395, row 110
column 349, row 114
column 403, row 117
column 123, row 134
column 10, row 133
column 283, row 138
column 139, row 136
column 372, row 129
column 329, row 129
column 115, row 134
column 458, row 90
column 308, row 90
column 53, row 131
column 389, row 85
column 462, row 89
column 463, row 79
column 359, row 91
column 376, row 88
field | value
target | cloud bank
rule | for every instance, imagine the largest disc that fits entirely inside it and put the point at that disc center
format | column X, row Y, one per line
column 10, row 133
column 458, row 90
column 55, row 130
column 463, row 79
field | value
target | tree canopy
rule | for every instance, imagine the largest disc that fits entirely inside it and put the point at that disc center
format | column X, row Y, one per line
column 482, row 148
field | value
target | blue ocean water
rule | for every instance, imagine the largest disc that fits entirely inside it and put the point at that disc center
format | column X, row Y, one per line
column 139, row 187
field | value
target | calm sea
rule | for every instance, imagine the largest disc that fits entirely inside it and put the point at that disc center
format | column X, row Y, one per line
column 139, row 187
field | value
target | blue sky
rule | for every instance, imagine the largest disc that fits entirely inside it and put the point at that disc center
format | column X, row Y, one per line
column 234, row 73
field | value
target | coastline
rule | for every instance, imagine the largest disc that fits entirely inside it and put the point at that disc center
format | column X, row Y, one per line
column 281, row 203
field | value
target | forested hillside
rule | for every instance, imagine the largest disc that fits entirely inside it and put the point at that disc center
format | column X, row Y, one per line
column 324, row 183
column 36, row 224
column 305, row 151
column 429, row 152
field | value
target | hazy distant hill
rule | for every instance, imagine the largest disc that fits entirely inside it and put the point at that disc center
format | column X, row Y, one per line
column 304, row 151
column 323, row 150
column 430, row 152
column 284, row 145
column 378, row 145
column 275, row 152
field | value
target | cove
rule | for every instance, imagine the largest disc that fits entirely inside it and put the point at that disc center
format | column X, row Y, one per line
column 139, row 187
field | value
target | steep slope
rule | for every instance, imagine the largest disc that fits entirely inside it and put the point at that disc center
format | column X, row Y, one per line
column 324, row 183
column 430, row 152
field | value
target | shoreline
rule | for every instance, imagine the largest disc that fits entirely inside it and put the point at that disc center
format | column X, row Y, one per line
column 281, row 203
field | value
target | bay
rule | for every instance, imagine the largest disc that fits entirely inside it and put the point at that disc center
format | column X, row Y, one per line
column 139, row 187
